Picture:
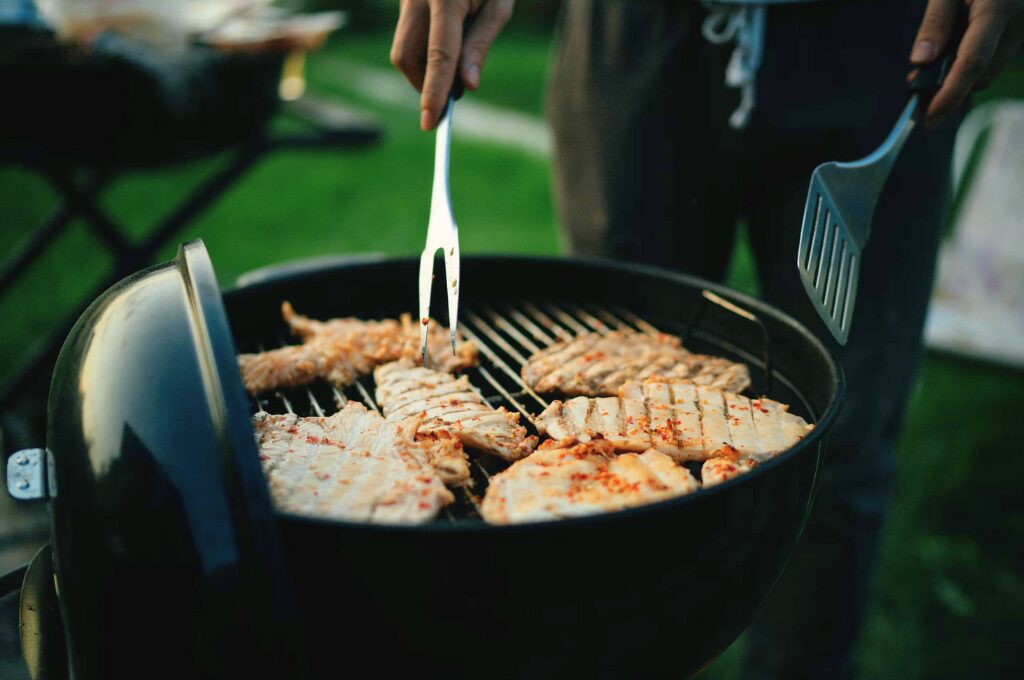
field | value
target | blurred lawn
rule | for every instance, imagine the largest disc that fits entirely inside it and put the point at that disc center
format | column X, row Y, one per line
column 949, row 599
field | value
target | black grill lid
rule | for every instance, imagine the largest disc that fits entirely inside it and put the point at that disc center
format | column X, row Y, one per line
column 161, row 512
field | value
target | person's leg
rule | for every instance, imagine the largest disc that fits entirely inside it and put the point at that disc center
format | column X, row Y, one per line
column 645, row 164
column 839, row 107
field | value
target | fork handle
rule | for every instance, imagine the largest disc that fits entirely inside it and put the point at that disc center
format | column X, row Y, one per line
column 458, row 89
column 929, row 78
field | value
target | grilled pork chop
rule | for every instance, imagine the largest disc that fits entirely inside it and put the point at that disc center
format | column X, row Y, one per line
column 447, row 403
column 567, row 479
column 352, row 465
column 342, row 350
column 680, row 419
column 598, row 365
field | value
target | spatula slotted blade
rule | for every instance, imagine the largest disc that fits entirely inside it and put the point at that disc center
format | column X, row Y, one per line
column 828, row 260
column 837, row 224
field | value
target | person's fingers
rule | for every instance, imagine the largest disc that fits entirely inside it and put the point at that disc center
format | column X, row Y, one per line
column 410, row 44
column 936, row 27
column 1006, row 51
column 443, row 46
column 480, row 36
column 984, row 32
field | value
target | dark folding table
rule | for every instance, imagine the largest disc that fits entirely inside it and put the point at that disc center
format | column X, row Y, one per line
column 80, row 185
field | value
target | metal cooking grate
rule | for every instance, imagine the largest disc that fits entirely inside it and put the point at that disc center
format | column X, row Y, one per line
column 506, row 336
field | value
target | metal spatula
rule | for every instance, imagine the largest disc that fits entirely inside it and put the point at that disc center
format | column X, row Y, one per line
column 841, row 202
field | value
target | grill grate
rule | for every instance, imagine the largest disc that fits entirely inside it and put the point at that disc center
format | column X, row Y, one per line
column 506, row 334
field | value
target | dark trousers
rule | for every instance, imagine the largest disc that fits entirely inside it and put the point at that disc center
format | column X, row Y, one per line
column 648, row 169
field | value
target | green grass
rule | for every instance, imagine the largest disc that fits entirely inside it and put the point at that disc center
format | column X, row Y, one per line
column 949, row 596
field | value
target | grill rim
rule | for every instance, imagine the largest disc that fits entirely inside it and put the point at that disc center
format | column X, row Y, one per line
column 271, row 278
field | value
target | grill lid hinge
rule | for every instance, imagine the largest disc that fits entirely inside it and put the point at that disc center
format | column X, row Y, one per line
column 26, row 475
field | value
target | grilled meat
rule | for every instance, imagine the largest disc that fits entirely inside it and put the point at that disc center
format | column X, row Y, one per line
column 680, row 419
column 342, row 350
column 439, row 347
column 352, row 465
column 718, row 470
column 283, row 367
column 447, row 403
column 598, row 365
column 567, row 479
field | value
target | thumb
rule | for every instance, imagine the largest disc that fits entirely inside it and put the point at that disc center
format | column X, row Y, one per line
column 936, row 27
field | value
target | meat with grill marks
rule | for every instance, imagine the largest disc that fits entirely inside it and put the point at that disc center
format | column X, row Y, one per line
column 342, row 350
column 598, row 365
column 570, row 479
column 722, row 469
column 447, row 403
column 352, row 465
column 680, row 419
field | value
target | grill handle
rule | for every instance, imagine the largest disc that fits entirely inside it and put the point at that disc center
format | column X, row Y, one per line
column 708, row 296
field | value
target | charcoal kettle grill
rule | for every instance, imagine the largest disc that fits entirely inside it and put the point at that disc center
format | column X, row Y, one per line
column 166, row 558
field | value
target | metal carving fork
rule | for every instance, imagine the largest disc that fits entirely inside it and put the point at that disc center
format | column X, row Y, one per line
column 442, row 234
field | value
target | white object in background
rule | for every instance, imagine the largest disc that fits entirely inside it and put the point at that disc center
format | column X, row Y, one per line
column 978, row 303
column 162, row 23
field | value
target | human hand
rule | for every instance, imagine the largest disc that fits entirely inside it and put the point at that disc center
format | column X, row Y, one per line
column 995, row 31
column 430, row 44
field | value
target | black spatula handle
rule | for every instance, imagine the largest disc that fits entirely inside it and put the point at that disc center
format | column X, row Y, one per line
column 929, row 78
column 458, row 89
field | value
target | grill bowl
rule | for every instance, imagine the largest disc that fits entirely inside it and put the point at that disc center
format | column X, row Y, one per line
column 661, row 589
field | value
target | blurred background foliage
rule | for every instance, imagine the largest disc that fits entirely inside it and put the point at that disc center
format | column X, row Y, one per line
column 535, row 14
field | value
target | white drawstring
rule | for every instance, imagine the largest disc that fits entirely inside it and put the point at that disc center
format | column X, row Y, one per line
column 743, row 24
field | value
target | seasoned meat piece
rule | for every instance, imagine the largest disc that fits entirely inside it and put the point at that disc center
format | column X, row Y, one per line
column 342, row 350
column 680, row 419
column 439, row 347
column 355, row 426
column 567, row 479
column 393, row 340
column 351, row 466
column 623, row 422
column 444, row 402
column 718, row 470
column 283, row 367
column 596, row 365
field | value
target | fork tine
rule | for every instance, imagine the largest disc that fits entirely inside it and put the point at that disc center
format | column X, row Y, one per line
column 426, row 279
column 451, row 270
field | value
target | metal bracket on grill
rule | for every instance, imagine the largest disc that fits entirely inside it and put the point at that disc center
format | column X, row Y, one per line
column 766, row 353
column 26, row 475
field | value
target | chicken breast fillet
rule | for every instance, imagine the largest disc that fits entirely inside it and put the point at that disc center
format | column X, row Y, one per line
column 568, row 479
column 680, row 419
column 718, row 470
column 352, row 466
column 598, row 365
column 444, row 402
column 342, row 350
